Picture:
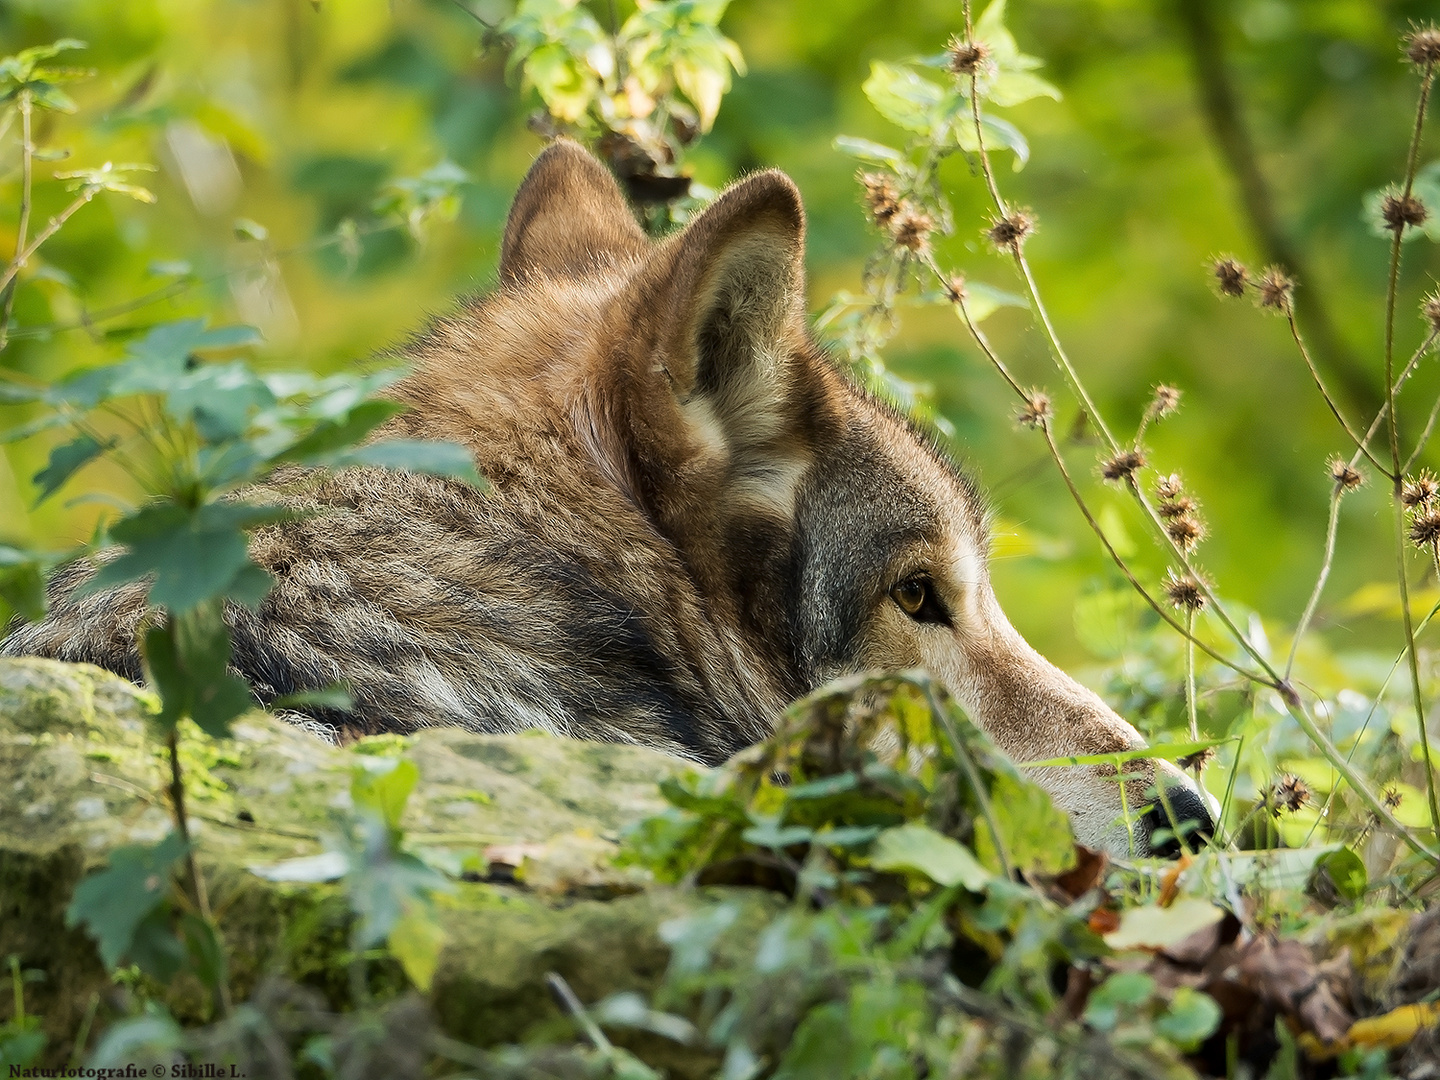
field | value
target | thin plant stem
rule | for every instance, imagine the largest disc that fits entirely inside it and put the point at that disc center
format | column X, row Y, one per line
column 1325, row 393
column 1391, row 288
column 22, row 230
column 1320, row 580
column 1190, row 704
column 51, row 228
column 1424, row 436
column 1400, row 381
column 192, row 865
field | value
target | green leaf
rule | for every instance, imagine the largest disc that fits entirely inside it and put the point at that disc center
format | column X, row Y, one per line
column 155, row 949
column 205, row 950
column 20, row 1047
column 1346, row 871
column 983, row 300
column 1191, row 1018
column 383, row 884
column 770, row 834
column 1124, row 991
column 22, row 582
column 865, row 150
column 218, row 399
column 921, row 849
column 904, row 97
column 188, row 659
column 1035, row 833
column 65, row 461
column 436, row 458
column 112, row 903
column 320, row 445
column 383, row 785
column 416, row 940
column 195, row 555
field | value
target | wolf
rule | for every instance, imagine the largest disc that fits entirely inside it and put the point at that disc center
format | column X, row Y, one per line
column 694, row 518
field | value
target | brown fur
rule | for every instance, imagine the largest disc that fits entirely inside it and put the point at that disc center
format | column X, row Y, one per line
column 694, row 517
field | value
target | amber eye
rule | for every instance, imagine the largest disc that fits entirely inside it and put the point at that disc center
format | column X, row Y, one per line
column 911, row 594
column 917, row 598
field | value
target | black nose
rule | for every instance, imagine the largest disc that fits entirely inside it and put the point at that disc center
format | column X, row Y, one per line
column 1191, row 814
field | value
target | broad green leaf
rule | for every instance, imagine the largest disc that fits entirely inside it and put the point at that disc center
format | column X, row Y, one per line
column 1346, row 871
column 112, row 903
column 1014, row 87
column 155, row 949
column 865, row 150
column 1191, row 1018
column 1035, row 833
column 383, row 785
column 342, row 431
column 921, row 849
column 903, row 97
column 772, row 835
column 1154, row 927
column 311, row 869
column 22, row 582
column 416, row 940
column 382, row 884
column 21, row 1046
column 194, row 555
column 188, row 660
column 566, row 88
column 65, row 461
column 1121, row 994
column 983, row 300
column 219, row 399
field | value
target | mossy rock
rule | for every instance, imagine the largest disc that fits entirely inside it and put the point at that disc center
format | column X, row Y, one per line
column 81, row 772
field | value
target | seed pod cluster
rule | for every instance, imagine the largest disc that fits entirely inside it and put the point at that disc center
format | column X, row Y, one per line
column 1419, row 494
column 1180, row 511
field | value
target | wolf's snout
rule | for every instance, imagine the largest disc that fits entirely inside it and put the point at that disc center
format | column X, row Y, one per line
column 1192, row 818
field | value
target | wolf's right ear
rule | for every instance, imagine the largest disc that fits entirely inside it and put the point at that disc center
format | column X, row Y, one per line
column 568, row 213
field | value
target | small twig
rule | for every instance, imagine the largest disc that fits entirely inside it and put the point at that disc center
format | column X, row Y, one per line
column 1190, row 704
column 1320, row 581
column 1325, row 393
column 567, row 1000
column 27, row 157
column 192, row 864
column 51, row 228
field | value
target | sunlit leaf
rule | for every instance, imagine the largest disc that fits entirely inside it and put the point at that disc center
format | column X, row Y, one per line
column 921, row 849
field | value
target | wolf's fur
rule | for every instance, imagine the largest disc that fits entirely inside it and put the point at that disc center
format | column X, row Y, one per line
column 694, row 519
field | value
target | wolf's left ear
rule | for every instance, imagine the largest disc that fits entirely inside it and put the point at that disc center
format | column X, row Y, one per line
column 568, row 214
column 726, row 288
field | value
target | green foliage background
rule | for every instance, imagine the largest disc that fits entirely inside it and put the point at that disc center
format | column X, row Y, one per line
column 320, row 106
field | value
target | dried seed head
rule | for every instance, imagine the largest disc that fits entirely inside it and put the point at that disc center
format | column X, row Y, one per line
column 955, row 288
column 1165, row 402
column 1186, row 530
column 967, row 57
column 1291, row 793
column 1347, row 478
column 1430, row 309
column 911, row 228
column 1184, row 591
column 1197, row 760
column 1169, row 487
column 1036, row 411
column 881, row 196
column 1231, row 276
column 1123, row 465
column 1402, row 211
column 1173, row 508
column 1011, row 230
column 1393, row 797
column 1425, row 526
column 1420, row 490
column 1422, row 46
column 1275, row 289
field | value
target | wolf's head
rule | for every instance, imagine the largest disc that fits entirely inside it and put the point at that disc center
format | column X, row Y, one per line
column 823, row 534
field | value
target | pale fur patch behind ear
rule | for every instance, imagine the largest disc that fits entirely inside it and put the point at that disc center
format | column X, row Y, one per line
column 737, row 411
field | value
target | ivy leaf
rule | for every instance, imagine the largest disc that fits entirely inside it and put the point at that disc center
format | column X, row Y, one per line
column 921, row 849
column 112, row 903
column 65, row 461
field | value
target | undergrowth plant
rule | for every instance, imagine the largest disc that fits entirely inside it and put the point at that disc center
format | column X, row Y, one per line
column 945, row 103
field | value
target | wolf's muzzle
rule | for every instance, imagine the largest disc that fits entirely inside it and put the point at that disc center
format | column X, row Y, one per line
column 1191, row 814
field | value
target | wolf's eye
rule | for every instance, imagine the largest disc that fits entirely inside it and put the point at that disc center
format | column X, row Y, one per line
column 916, row 597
